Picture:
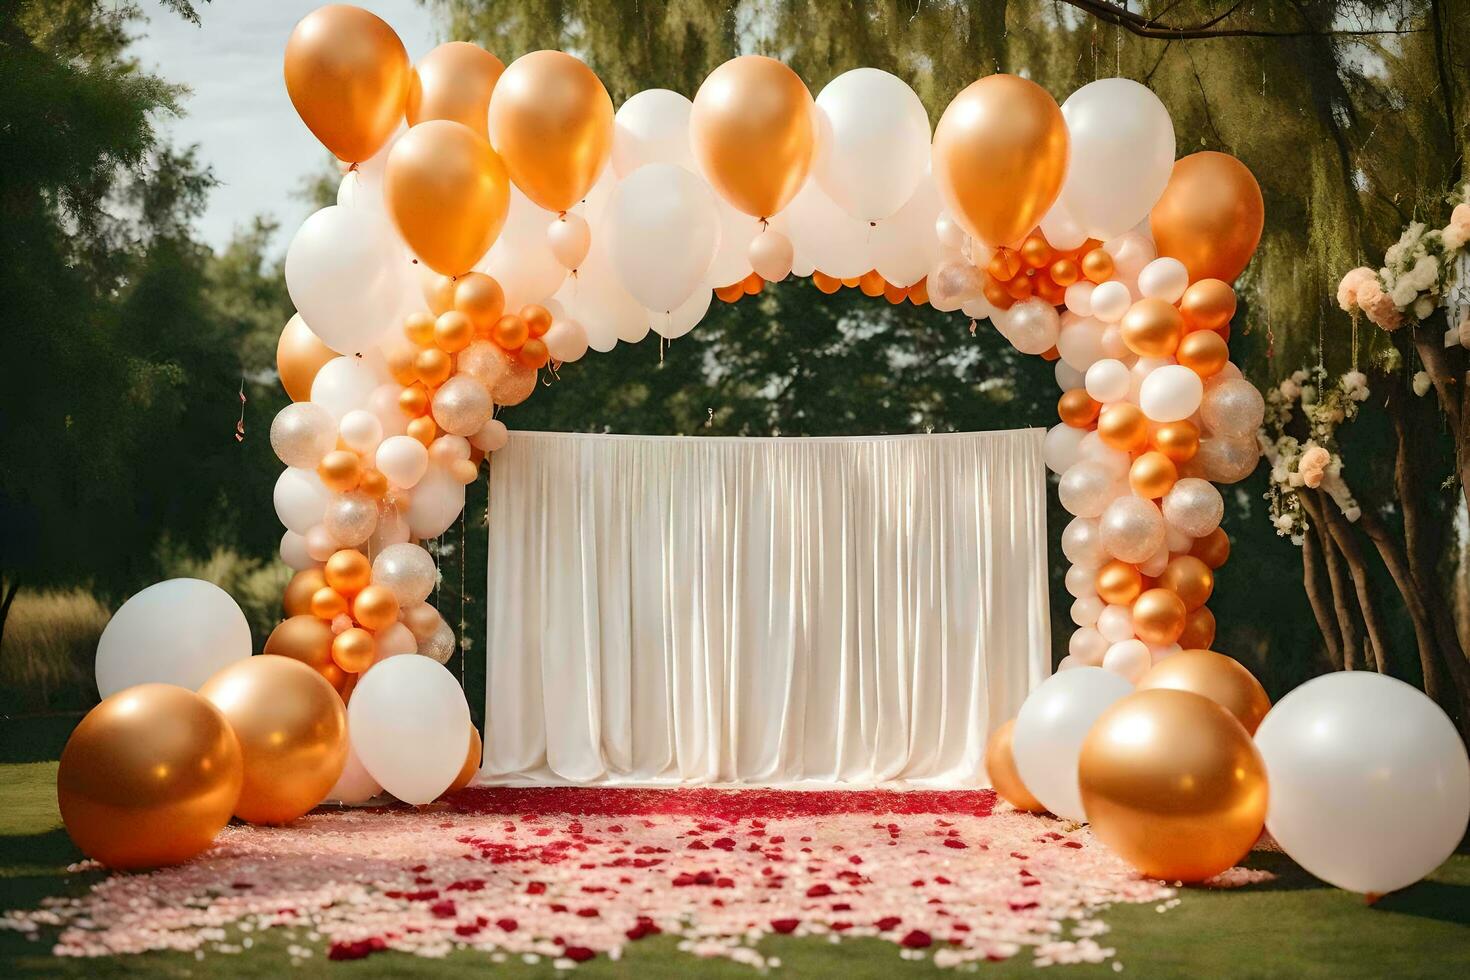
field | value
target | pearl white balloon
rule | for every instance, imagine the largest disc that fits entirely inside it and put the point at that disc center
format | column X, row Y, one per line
column 1110, row 300
column 1107, row 380
column 1081, row 580
column 904, row 246
column 293, row 552
column 949, row 232
column 1115, row 623
column 361, row 430
column 1122, row 153
column 342, row 385
column 652, row 127
column 1153, row 566
column 383, row 403
column 182, row 631
column 874, row 146
column 1164, row 279
column 1059, row 447
column 409, row 724
column 522, row 259
column 1131, row 251
column 395, row 640
column 1079, row 297
column 1080, row 342
column 403, row 460
column 1132, row 528
column 1047, row 738
column 1067, row 377
column 1158, row 655
column 731, row 263
column 1086, row 646
column 1087, row 488
column 1085, row 610
column 356, row 785
column 664, row 228
column 1194, row 506
column 320, row 544
column 1170, row 393
column 1082, row 542
column 1129, row 659
column 437, row 500
column 1094, row 450
column 827, row 237
column 300, row 499
column 1114, row 347
column 1032, row 326
column 1062, row 231
column 1226, row 460
column 342, row 274
column 1370, row 784
column 1233, row 408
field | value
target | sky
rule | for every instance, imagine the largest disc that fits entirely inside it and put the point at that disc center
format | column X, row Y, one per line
column 237, row 112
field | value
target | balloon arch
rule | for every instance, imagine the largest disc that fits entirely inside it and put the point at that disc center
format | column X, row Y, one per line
column 518, row 221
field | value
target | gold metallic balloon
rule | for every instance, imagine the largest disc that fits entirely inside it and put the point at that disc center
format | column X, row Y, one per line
column 348, row 77
column 1173, row 784
column 753, row 133
column 1190, row 579
column 348, row 571
column 1213, row 549
column 1210, row 216
column 1122, row 426
column 292, row 730
column 303, row 637
column 354, row 650
column 1204, row 352
column 1152, row 475
column 300, row 354
column 1119, row 583
column 480, row 298
column 1199, row 629
column 1077, row 408
column 551, row 120
column 471, row 762
column 1158, row 617
column 327, row 603
column 454, row 81
column 1224, row 680
column 1151, row 328
column 303, row 585
column 1000, row 155
column 1207, row 305
column 1000, row 765
column 376, row 607
column 340, row 470
column 1177, row 440
column 453, row 332
column 448, row 193
column 149, row 777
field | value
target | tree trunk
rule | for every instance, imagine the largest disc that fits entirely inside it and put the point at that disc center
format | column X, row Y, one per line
column 1352, row 656
column 1317, row 595
column 8, row 588
column 1352, row 553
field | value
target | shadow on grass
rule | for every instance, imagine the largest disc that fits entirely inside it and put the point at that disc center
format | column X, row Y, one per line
column 1438, row 900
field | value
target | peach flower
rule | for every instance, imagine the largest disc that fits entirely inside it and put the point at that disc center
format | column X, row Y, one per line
column 1313, row 465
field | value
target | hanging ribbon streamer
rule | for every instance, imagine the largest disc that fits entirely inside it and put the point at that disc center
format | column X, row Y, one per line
column 240, row 423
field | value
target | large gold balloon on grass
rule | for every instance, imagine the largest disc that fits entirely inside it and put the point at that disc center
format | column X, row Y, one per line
column 1173, row 784
column 1220, row 678
column 1000, row 765
column 1210, row 216
column 447, row 191
column 292, row 730
column 348, row 77
column 300, row 354
column 1000, row 155
column 454, row 81
column 551, row 120
column 149, row 777
column 752, row 132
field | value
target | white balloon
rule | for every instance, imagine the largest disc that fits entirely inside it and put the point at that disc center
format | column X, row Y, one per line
column 595, row 297
column 664, row 229
column 383, row 403
column 948, row 231
column 521, row 259
column 1082, row 542
column 1154, row 565
column 356, row 785
column 731, row 263
column 827, row 237
column 343, row 384
column 874, row 145
column 652, row 127
column 182, row 631
column 1086, row 647
column 1086, row 488
column 1110, row 300
column 904, row 246
column 565, row 341
column 392, row 528
column 1067, row 377
column 1081, row 582
column 403, row 460
column 320, row 544
column 1122, row 153
column 437, row 499
column 1107, row 380
column 1047, row 739
column 1086, row 609
column 1061, row 230
column 1094, row 450
column 1080, row 341
column 1115, row 623
column 1164, row 279
column 1370, row 784
column 342, row 274
column 1069, row 662
column 362, row 186
column 492, row 437
column 1129, row 659
column 1114, row 347
column 676, row 323
column 1079, row 297
column 1132, row 252
column 1032, row 326
column 293, row 552
column 1170, row 393
column 361, row 430
column 409, row 724
column 1159, row 654
column 1059, row 447
column 300, row 499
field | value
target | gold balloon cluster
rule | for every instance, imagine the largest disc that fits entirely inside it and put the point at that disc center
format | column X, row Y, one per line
column 1170, row 778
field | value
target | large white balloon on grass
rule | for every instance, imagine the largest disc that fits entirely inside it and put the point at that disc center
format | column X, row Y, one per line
column 873, row 148
column 663, row 228
column 1370, row 784
column 182, row 631
column 1047, row 739
column 1122, row 153
column 343, row 276
column 410, row 726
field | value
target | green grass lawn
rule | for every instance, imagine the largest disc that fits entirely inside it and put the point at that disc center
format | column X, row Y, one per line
column 1295, row 926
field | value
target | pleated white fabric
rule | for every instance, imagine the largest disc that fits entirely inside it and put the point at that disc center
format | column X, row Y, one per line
column 671, row 610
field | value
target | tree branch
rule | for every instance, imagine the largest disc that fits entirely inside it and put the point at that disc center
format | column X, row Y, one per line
column 1352, row 654
column 1148, row 27
column 1317, row 595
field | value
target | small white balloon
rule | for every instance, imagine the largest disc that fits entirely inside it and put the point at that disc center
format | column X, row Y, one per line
column 1086, row 646
column 1129, row 659
column 1079, row 297
column 342, row 385
column 565, row 341
column 1067, row 377
column 1047, row 739
column 403, row 460
column 1107, row 380
column 1079, row 342
column 1115, row 623
column 320, row 544
column 1081, row 581
column 1059, row 449
column 1110, row 300
column 1082, row 542
column 1061, row 230
column 569, row 239
column 182, row 631
column 1086, row 489
column 356, row 785
column 1170, row 393
column 300, row 499
column 361, row 430
column 492, row 437
column 1164, row 279
column 1086, row 609
column 1032, row 326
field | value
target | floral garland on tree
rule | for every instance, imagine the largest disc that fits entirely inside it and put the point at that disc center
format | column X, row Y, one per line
column 1325, row 403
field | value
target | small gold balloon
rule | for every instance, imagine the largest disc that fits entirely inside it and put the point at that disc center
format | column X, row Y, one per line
column 414, row 400
column 453, row 332
column 348, row 571
column 471, row 762
column 300, row 354
column 480, row 298
column 303, row 637
column 1224, row 680
column 1173, row 784
column 1077, row 408
column 1199, row 630
column 1000, row 766
column 303, row 585
column 1177, row 440
column 439, row 294
column 328, row 603
column 418, row 327
column 433, row 366
column 423, row 429
column 1119, row 583
column 1207, row 305
column 465, row 471
column 340, row 470
column 1190, row 579
column 1097, row 265
column 1122, row 426
column 1158, row 617
column 376, row 607
column 149, row 777
column 1151, row 328
column 292, row 731
column 1152, row 475
column 1204, row 352
column 354, row 650
column 1213, row 549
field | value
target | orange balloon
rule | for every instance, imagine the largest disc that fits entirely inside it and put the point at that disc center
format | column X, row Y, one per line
column 419, row 327
column 871, row 283
column 448, row 193
column 552, row 122
column 423, row 429
column 433, row 367
column 373, row 483
column 464, row 470
column 1152, row 475
column 1210, row 216
column 149, row 777
column 1207, row 305
column 471, row 762
column 919, row 293
column 303, row 585
column 303, row 637
column 1122, row 425
column 1000, row 766
column 1151, row 328
column 353, row 650
column 1213, row 549
column 292, row 731
column 376, row 607
column 348, row 77
column 1158, row 617
column 340, row 470
column 894, row 294
column 1224, row 680
column 1004, row 265
column 334, row 675
column 1190, row 579
column 533, row 353
column 752, row 133
column 328, row 603
column 1077, row 408
column 1177, row 440
column 439, row 294
column 348, row 571
column 1064, row 272
column 753, row 284
column 510, row 332
column 1199, row 630
column 1173, row 784
column 1000, row 154
column 1097, row 265
column 480, row 298
column 454, row 81
column 413, row 401
column 300, row 354
column 1035, row 251
column 1204, row 352
column 538, row 319
column 1119, row 583
column 734, row 291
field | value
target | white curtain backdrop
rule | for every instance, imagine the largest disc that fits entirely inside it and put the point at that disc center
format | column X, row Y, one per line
column 672, row 610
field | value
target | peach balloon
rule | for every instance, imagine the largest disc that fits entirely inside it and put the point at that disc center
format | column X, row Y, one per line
column 454, row 81
column 348, row 571
column 1151, row 328
column 1177, row 440
column 1207, row 305
column 552, row 121
column 1158, row 617
column 1152, row 474
column 300, row 354
column 480, row 298
column 999, row 158
column 302, row 637
column 448, row 193
column 753, row 134
column 1210, row 216
column 1190, row 579
column 1077, row 408
column 303, row 585
column 348, row 76
column 1000, row 766
column 1224, row 680
column 1204, row 352
column 1119, row 583
column 1122, row 425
